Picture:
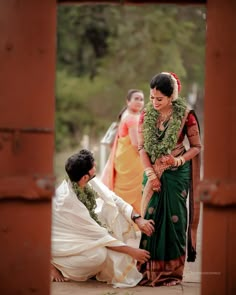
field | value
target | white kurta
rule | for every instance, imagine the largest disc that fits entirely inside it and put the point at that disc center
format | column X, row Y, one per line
column 79, row 243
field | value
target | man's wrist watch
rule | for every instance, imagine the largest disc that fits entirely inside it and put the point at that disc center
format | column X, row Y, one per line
column 135, row 216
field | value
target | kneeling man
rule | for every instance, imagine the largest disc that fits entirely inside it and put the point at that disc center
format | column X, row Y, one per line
column 86, row 244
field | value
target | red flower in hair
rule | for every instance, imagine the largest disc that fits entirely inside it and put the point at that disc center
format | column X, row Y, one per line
column 178, row 81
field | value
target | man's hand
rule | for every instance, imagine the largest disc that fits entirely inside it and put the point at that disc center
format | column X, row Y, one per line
column 146, row 226
column 140, row 255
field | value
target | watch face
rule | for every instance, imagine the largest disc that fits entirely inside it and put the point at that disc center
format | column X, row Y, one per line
column 136, row 216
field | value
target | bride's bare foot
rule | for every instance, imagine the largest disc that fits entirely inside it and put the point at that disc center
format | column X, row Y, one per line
column 56, row 275
column 171, row 283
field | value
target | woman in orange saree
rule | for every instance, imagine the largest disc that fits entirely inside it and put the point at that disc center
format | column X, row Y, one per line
column 123, row 172
column 171, row 174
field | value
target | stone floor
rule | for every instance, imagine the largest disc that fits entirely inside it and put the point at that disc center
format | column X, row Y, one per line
column 92, row 287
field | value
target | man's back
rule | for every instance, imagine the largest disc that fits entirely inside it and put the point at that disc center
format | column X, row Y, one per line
column 73, row 229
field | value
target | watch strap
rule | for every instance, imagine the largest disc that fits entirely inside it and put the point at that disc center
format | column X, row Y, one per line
column 135, row 216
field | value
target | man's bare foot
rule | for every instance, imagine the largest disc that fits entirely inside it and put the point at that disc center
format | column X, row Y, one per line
column 171, row 283
column 56, row 275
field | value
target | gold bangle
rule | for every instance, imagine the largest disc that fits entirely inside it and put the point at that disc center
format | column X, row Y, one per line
column 149, row 170
column 177, row 160
column 182, row 160
column 152, row 176
column 140, row 147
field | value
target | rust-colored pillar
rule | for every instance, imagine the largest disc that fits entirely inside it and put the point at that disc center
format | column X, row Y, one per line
column 27, row 77
column 218, row 190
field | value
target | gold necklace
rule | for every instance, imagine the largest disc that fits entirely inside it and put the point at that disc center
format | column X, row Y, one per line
column 162, row 118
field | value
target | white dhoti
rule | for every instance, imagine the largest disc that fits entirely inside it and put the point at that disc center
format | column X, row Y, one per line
column 83, row 266
column 79, row 243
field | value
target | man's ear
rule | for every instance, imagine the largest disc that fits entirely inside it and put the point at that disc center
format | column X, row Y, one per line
column 85, row 177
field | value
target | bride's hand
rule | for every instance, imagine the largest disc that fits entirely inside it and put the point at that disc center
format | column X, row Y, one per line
column 156, row 185
column 168, row 160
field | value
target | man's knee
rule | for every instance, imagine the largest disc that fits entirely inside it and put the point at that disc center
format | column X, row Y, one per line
column 99, row 256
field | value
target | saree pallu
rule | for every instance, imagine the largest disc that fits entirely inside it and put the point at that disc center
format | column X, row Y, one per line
column 128, row 173
column 167, row 245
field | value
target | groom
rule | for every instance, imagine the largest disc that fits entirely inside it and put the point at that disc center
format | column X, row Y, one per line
column 84, row 244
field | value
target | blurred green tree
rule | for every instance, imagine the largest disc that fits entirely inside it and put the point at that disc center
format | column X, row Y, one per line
column 104, row 50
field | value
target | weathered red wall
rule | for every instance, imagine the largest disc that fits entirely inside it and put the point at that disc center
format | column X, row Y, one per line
column 27, row 77
column 219, row 188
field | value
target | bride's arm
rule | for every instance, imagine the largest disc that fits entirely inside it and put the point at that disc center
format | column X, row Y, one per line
column 193, row 135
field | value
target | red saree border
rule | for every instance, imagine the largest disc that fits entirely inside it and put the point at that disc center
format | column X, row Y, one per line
column 156, row 272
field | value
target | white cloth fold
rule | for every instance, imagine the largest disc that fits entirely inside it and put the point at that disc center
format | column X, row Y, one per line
column 115, row 212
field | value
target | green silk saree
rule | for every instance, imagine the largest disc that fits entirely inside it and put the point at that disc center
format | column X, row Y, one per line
column 168, row 209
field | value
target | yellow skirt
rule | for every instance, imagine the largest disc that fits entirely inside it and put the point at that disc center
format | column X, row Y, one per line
column 128, row 173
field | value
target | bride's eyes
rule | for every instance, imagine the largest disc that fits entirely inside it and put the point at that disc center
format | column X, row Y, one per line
column 157, row 98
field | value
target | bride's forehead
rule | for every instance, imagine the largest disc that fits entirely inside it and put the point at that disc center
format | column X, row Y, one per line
column 156, row 93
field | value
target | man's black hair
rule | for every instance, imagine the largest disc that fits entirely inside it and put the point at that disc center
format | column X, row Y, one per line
column 79, row 165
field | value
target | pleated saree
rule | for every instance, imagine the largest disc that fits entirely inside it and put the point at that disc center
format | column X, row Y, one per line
column 167, row 205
